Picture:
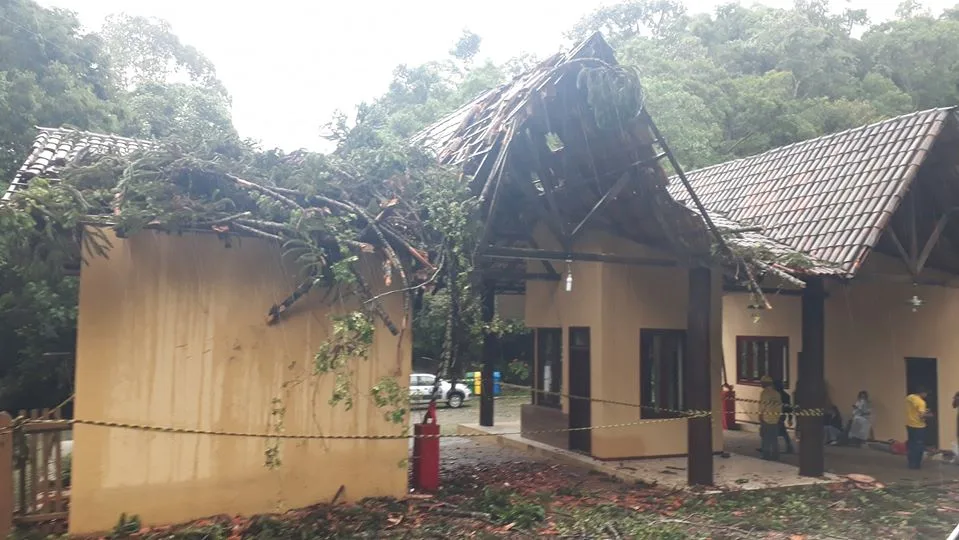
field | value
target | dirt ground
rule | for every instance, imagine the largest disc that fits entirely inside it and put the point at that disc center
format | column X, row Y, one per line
column 492, row 492
column 542, row 500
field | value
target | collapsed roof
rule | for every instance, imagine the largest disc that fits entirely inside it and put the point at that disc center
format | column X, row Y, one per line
column 569, row 144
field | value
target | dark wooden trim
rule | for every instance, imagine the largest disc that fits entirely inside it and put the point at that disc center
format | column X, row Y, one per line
column 580, row 411
column 647, row 410
column 698, row 394
column 907, row 279
column 489, row 355
column 546, row 264
column 933, row 239
column 901, row 249
column 740, row 340
column 913, row 232
column 811, row 384
column 505, row 275
column 546, row 255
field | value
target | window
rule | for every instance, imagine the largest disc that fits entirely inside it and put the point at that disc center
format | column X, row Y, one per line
column 549, row 366
column 758, row 356
column 662, row 353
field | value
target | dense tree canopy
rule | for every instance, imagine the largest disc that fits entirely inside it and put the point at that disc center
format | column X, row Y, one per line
column 126, row 80
column 721, row 85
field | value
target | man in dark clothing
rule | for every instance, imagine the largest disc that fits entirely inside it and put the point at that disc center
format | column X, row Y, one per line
column 787, row 414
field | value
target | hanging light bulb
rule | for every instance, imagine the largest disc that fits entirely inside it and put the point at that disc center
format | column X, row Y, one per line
column 915, row 301
column 569, row 276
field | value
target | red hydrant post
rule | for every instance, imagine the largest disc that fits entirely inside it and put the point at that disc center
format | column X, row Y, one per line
column 729, row 408
column 426, row 452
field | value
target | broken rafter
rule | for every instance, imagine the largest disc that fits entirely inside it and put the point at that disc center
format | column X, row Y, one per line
column 611, row 194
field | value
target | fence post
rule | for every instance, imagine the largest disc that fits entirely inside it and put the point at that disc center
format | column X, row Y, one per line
column 6, row 474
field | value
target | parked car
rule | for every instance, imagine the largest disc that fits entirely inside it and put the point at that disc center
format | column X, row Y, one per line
column 421, row 390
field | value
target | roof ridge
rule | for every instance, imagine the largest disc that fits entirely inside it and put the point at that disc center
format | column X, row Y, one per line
column 826, row 137
column 77, row 131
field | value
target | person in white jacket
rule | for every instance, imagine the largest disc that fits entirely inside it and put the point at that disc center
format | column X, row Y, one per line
column 860, row 427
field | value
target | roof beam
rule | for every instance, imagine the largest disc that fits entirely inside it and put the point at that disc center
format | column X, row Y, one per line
column 545, row 255
column 613, row 192
column 909, row 261
column 934, row 239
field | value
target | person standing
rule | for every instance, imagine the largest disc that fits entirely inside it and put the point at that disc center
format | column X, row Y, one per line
column 916, row 414
column 785, row 416
column 860, row 426
column 955, row 443
column 770, row 409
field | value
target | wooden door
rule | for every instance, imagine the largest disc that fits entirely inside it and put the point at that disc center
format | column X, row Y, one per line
column 924, row 373
column 579, row 409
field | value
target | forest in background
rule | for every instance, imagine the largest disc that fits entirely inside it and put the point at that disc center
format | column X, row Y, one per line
column 721, row 85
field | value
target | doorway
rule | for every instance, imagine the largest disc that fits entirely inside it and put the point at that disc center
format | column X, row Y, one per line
column 924, row 372
column 579, row 408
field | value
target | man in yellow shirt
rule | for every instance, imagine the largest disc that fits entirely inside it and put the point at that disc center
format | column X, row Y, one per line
column 916, row 414
column 770, row 409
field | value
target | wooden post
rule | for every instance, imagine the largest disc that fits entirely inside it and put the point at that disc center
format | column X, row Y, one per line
column 811, row 386
column 6, row 474
column 697, row 383
column 489, row 355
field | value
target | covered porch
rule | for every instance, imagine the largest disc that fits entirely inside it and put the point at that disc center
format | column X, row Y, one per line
column 623, row 283
column 876, row 205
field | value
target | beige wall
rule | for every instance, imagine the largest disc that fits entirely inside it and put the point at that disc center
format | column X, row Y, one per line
column 172, row 332
column 616, row 301
column 783, row 320
column 870, row 330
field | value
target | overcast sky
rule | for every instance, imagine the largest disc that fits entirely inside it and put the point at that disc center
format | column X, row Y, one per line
column 290, row 63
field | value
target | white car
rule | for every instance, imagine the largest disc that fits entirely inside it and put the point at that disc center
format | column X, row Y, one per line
column 421, row 390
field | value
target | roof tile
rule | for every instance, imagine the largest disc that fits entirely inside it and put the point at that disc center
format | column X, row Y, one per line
column 56, row 148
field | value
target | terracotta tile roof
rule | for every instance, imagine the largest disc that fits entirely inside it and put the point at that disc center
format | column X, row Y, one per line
column 828, row 197
column 55, row 148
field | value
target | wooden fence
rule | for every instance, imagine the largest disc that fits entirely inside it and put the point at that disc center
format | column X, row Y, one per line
column 32, row 484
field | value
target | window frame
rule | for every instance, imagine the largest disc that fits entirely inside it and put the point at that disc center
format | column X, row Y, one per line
column 539, row 397
column 741, row 369
column 647, row 409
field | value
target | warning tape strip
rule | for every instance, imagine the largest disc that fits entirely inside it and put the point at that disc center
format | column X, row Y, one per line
column 797, row 411
column 192, row 431
column 605, row 401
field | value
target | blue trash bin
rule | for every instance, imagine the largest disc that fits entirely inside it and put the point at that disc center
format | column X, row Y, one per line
column 496, row 383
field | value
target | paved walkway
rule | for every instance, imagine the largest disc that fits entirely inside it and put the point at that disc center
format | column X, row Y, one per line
column 883, row 466
column 735, row 472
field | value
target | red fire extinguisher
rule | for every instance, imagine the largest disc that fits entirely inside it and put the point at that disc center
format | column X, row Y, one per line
column 729, row 408
column 426, row 452
column 729, row 403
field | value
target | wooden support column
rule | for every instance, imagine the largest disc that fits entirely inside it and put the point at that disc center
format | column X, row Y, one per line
column 489, row 355
column 697, row 384
column 811, row 386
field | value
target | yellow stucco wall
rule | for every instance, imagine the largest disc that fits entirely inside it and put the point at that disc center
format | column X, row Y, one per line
column 784, row 319
column 870, row 330
column 616, row 301
column 172, row 332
